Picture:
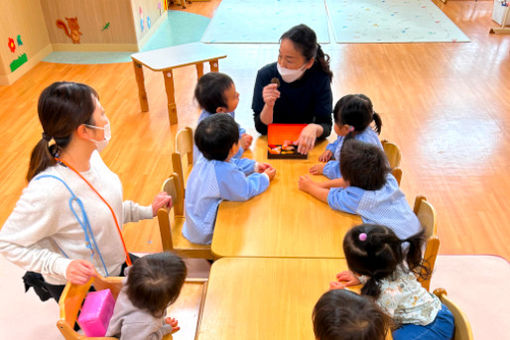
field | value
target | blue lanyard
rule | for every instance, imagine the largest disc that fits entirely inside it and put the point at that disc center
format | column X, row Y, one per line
column 83, row 221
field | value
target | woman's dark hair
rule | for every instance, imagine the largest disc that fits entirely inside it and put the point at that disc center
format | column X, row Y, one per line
column 364, row 165
column 378, row 252
column 155, row 281
column 357, row 111
column 210, row 90
column 343, row 315
column 62, row 107
column 215, row 136
column 305, row 41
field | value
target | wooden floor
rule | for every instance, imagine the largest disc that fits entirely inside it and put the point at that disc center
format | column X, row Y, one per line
column 447, row 105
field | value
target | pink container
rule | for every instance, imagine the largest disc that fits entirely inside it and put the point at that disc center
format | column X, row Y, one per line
column 96, row 313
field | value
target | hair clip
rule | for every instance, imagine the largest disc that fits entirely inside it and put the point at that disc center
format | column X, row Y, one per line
column 362, row 237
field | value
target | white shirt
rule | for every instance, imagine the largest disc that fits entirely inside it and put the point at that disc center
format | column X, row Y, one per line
column 43, row 235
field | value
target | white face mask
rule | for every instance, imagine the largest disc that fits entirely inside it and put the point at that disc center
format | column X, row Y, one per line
column 100, row 145
column 289, row 75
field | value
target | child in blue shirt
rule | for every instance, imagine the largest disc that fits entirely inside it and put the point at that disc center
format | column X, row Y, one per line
column 216, row 93
column 353, row 115
column 370, row 190
column 215, row 177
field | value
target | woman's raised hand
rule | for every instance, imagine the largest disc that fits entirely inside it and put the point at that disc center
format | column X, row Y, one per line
column 270, row 94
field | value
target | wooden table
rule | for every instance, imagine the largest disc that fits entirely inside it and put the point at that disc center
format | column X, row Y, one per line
column 264, row 298
column 165, row 60
column 283, row 221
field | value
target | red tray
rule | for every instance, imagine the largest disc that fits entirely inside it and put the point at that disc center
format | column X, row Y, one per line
column 277, row 134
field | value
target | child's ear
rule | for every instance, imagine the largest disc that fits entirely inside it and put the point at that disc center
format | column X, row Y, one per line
column 221, row 109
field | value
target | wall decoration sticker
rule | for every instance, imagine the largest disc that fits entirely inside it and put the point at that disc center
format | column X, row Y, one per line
column 73, row 31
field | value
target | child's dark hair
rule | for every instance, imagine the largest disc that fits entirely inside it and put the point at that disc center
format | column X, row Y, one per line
column 364, row 165
column 375, row 251
column 210, row 90
column 305, row 40
column 216, row 135
column 155, row 281
column 357, row 111
column 343, row 315
column 62, row 107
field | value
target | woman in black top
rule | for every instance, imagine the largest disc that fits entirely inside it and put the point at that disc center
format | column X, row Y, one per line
column 303, row 94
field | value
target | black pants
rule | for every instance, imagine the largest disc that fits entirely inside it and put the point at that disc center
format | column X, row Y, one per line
column 56, row 290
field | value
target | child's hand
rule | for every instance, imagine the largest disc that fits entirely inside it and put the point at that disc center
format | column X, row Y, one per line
column 270, row 172
column 325, row 156
column 336, row 285
column 305, row 183
column 245, row 141
column 348, row 278
column 317, row 169
column 261, row 167
column 174, row 323
column 270, row 94
column 161, row 200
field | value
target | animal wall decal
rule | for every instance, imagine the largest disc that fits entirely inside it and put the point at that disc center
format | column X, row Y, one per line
column 73, row 31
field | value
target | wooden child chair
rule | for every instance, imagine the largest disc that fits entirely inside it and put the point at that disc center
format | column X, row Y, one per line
column 427, row 216
column 462, row 326
column 392, row 152
column 72, row 298
column 183, row 147
column 171, row 235
column 191, row 297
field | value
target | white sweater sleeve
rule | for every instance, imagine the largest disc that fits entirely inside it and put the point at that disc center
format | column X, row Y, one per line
column 134, row 212
column 24, row 238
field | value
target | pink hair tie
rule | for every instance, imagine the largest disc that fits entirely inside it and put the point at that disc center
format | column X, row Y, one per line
column 362, row 237
column 351, row 128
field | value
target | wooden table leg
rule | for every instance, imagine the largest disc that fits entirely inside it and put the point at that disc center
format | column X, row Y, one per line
column 214, row 65
column 142, row 94
column 169, row 86
column 200, row 69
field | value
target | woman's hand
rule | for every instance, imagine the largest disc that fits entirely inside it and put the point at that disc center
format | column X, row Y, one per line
column 80, row 271
column 270, row 94
column 306, row 140
column 325, row 156
column 161, row 200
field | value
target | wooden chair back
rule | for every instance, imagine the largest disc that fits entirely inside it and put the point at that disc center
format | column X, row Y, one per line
column 171, row 233
column 172, row 186
column 462, row 326
column 397, row 173
column 427, row 216
column 392, row 152
column 183, row 147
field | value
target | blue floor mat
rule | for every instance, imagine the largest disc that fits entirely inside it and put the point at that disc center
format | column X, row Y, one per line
column 264, row 21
